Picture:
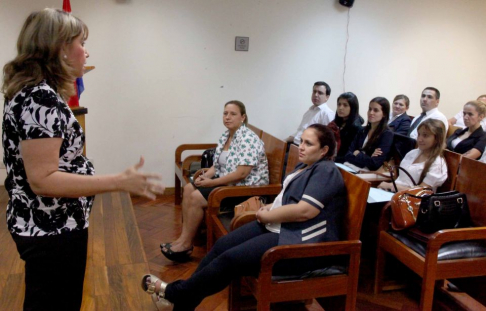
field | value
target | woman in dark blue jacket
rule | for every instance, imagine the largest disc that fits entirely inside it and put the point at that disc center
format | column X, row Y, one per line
column 348, row 121
column 372, row 144
column 470, row 141
column 305, row 211
column 399, row 121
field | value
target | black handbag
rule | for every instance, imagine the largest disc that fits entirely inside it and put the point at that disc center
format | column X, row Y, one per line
column 207, row 158
column 445, row 210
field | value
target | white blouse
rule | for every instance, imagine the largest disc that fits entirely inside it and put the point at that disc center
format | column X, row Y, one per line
column 275, row 227
column 435, row 177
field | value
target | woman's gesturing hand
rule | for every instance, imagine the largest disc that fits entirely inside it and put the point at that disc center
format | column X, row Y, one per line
column 143, row 184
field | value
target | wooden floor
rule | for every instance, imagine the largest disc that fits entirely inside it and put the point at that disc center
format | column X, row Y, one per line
column 124, row 245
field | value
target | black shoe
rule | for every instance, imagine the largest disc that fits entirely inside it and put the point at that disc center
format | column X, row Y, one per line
column 181, row 256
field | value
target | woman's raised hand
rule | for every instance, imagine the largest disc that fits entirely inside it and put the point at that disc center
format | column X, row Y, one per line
column 143, row 184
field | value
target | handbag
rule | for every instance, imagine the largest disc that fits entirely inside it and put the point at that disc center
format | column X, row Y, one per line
column 405, row 204
column 252, row 205
column 445, row 210
column 207, row 158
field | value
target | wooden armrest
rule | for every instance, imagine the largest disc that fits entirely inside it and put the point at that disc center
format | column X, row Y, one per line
column 385, row 218
column 217, row 195
column 277, row 253
column 184, row 147
column 450, row 235
column 243, row 219
column 186, row 163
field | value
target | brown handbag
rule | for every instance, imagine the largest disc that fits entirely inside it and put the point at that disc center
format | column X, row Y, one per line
column 248, row 207
column 405, row 204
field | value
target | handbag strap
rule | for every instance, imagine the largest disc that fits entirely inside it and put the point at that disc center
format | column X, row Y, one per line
column 405, row 171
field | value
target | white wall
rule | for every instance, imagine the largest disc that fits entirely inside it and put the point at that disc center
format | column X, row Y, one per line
column 164, row 68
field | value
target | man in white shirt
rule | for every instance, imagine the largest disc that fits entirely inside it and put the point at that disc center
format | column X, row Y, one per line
column 429, row 101
column 458, row 119
column 319, row 112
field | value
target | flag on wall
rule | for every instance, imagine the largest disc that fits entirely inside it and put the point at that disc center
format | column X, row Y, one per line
column 78, row 85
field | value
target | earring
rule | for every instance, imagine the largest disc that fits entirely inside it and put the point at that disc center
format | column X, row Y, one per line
column 65, row 56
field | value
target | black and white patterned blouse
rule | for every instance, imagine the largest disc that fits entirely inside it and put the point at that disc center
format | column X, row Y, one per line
column 39, row 112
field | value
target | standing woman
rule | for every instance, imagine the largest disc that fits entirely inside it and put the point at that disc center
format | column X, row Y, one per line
column 400, row 121
column 348, row 121
column 49, row 181
column 471, row 140
column 372, row 144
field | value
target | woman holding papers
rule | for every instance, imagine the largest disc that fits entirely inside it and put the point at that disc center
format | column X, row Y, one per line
column 425, row 164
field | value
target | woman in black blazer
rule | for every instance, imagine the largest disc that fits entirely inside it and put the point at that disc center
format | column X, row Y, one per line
column 470, row 141
column 399, row 119
column 372, row 144
column 348, row 121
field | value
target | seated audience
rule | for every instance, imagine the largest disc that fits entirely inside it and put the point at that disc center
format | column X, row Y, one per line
column 425, row 164
column 372, row 144
column 239, row 160
column 319, row 112
column 429, row 101
column 400, row 121
column 303, row 212
column 471, row 140
column 348, row 121
column 458, row 119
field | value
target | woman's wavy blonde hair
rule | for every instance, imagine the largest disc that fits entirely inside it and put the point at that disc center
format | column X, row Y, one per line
column 39, row 53
column 436, row 128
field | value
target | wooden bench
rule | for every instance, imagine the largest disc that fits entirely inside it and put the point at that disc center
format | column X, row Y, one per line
column 116, row 259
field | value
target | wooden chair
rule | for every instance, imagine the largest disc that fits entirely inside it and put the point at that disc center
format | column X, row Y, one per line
column 452, row 129
column 268, row 290
column 275, row 151
column 292, row 159
column 182, row 166
column 440, row 258
column 453, row 160
column 256, row 130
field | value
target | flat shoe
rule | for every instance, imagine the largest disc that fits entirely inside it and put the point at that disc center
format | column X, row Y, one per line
column 158, row 298
column 181, row 256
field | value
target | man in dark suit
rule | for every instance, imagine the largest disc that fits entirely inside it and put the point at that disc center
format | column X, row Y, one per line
column 399, row 121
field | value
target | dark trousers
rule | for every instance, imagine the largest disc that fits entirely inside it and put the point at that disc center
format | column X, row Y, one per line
column 54, row 270
column 236, row 254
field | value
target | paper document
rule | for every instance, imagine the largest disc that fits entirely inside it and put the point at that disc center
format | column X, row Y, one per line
column 346, row 168
column 378, row 195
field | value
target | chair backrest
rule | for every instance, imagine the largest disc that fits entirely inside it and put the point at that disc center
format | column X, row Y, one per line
column 255, row 130
column 453, row 160
column 292, row 159
column 401, row 146
column 452, row 129
column 470, row 180
column 275, row 151
column 357, row 195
